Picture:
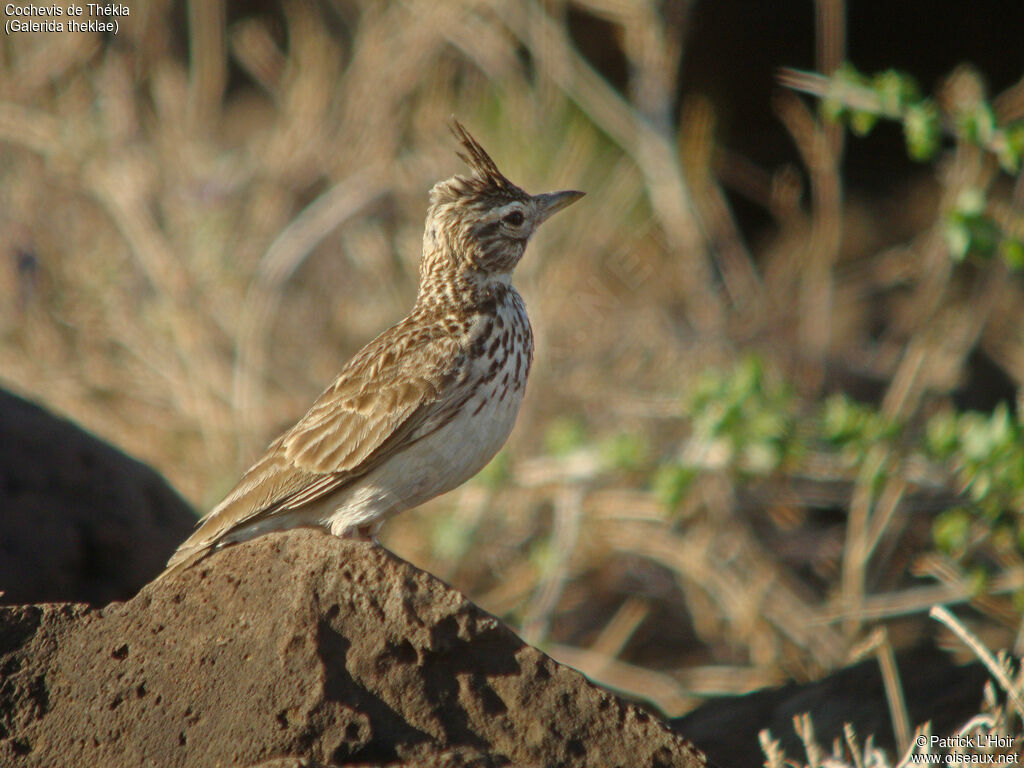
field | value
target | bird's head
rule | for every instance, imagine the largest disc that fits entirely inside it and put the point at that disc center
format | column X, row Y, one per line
column 478, row 226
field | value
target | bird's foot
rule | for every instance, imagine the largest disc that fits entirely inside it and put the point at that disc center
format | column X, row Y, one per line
column 366, row 532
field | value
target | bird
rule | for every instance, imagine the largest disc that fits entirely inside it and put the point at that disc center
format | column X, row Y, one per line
column 426, row 404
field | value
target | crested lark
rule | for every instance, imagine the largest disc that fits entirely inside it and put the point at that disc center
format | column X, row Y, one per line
column 425, row 405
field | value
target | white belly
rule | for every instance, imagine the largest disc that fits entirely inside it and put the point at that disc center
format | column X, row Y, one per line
column 434, row 465
column 448, row 456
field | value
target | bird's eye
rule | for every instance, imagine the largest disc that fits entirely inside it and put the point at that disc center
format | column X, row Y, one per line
column 514, row 219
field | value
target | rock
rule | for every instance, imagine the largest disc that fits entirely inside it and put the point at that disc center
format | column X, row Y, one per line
column 79, row 520
column 935, row 689
column 299, row 646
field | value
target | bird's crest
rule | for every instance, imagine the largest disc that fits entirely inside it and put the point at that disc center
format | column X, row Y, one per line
column 487, row 177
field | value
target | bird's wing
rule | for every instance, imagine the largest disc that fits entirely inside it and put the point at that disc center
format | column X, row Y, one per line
column 397, row 390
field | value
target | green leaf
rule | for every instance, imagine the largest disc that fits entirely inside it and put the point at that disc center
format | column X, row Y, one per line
column 975, row 436
column 978, row 580
column 895, row 90
column 985, row 236
column 978, row 124
column 840, row 422
column 1000, row 424
column 862, row 122
column 958, row 238
column 970, row 203
column 921, row 129
column 671, row 483
column 760, row 458
column 1011, row 150
column 1011, row 251
column 952, row 530
column 941, row 435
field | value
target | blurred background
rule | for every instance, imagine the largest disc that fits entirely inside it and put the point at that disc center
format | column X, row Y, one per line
column 774, row 414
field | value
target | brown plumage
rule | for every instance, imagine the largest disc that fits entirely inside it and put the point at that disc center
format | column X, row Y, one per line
column 426, row 404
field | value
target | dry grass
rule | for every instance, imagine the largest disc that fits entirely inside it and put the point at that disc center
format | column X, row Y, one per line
column 990, row 738
column 195, row 244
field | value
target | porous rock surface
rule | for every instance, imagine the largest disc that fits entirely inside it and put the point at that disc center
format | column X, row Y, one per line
column 79, row 520
column 301, row 649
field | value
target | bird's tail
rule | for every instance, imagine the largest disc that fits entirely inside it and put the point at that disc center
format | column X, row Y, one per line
column 183, row 559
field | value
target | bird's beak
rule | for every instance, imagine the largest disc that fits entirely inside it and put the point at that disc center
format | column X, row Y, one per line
column 552, row 202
